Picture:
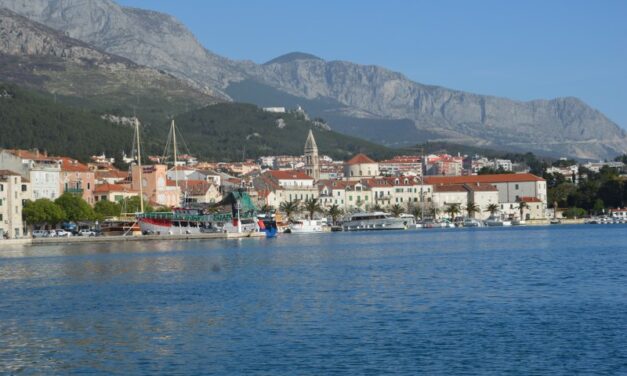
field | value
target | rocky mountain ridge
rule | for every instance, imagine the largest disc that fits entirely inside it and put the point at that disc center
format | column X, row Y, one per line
column 368, row 101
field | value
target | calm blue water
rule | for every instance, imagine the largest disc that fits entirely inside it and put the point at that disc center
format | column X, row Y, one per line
column 548, row 300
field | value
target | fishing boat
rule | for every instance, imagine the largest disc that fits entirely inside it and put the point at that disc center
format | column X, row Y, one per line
column 373, row 221
column 471, row 222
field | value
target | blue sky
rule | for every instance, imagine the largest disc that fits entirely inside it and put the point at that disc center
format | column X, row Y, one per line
column 522, row 50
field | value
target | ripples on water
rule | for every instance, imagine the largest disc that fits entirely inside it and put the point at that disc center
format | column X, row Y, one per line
column 547, row 300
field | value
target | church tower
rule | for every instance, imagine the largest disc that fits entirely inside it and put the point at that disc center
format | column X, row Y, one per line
column 312, row 163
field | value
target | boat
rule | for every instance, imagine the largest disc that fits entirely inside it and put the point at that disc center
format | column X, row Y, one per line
column 471, row 222
column 120, row 227
column 410, row 221
column 241, row 219
column 495, row 222
column 518, row 222
column 307, row 226
column 555, row 221
column 373, row 222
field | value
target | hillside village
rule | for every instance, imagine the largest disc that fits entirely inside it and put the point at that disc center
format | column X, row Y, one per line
column 425, row 186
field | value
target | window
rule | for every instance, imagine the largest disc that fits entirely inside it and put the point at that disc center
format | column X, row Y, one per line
column 0, row 202
column 1, row 187
column 516, row 186
column 350, row 198
column 0, row 217
column 24, row 188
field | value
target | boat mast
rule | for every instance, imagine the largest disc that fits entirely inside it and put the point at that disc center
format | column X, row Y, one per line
column 176, row 174
column 139, row 165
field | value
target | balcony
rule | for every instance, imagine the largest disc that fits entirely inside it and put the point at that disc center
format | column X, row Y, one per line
column 76, row 191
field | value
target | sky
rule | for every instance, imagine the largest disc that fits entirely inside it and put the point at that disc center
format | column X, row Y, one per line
column 522, row 50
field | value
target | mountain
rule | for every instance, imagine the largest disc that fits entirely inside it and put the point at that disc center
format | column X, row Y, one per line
column 65, row 96
column 38, row 57
column 368, row 101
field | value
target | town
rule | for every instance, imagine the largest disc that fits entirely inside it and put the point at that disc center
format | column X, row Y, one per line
column 436, row 187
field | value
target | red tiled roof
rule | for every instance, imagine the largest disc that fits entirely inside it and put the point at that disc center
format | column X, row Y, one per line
column 33, row 155
column 72, row 165
column 487, row 179
column 289, row 175
column 529, row 199
column 450, row 188
column 478, row 187
column 360, row 159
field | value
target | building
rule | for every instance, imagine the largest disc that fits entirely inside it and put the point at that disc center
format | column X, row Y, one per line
column 361, row 166
column 113, row 192
column 510, row 186
column 77, row 178
column 312, row 162
column 276, row 186
column 481, row 195
column 348, row 195
column 40, row 170
column 14, row 191
column 155, row 186
column 445, row 165
column 200, row 191
column 406, row 165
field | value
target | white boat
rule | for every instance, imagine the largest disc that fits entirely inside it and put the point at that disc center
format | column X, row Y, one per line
column 410, row 221
column 494, row 221
column 471, row 222
column 518, row 222
column 373, row 222
column 308, row 226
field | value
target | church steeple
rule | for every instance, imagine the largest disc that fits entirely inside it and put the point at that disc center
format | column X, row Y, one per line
column 312, row 163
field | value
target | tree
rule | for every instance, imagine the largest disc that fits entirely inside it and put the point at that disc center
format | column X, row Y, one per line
column 434, row 211
column 377, row 207
column 75, row 208
column 397, row 210
column 493, row 209
column 290, row 207
column 132, row 205
column 334, row 212
column 472, row 208
column 599, row 206
column 522, row 205
column 42, row 211
column 107, row 209
column 452, row 210
column 266, row 209
column 312, row 206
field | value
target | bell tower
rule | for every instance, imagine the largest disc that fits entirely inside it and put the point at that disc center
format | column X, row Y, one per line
column 312, row 162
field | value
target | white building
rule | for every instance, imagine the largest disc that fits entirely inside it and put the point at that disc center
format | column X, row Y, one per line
column 13, row 192
column 42, row 171
column 361, row 166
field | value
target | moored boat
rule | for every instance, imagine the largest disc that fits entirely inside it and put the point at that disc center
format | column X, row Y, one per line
column 373, row 222
column 308, row 226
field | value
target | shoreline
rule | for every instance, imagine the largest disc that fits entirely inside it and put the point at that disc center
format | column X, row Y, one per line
column 106, row 239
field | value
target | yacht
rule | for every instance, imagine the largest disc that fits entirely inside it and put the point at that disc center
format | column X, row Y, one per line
column 494, row 221
column 374, row 221
column 471, row 222
column 307, row 226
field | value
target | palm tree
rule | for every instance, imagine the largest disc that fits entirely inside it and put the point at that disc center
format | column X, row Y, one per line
column 416, row 211
column 493, row 209
column 397, row 210
column 290, row 207
column 521, row 207
column 377, row 207
column 265, row 209
column 472, row 208
column 453, row 210
column 334, row 212
column 434, row 211
column 312, row 206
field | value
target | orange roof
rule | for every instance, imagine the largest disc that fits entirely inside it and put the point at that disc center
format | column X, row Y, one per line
column 360, row 159
column 449, row 188
column 478, row 187
column 103, row 188
column 72, row 165
column 529, row 199
column 487, row 179
column 289, row 175
column 28, row 154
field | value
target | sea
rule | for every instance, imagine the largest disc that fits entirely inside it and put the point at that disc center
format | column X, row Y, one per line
column 548, row 300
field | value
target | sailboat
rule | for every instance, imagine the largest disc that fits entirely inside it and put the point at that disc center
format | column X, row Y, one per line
column 188, row 219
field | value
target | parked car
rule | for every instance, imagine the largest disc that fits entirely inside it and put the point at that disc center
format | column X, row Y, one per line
column 40, row 233
column 63, row 233
column 86, row 232
column 52, row 234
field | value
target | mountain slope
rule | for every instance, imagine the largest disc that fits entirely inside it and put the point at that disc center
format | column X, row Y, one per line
column 368, row 101
column 39, row 57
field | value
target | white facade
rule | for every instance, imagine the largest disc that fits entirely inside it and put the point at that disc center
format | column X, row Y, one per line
column 42, row 172
column 13, row 192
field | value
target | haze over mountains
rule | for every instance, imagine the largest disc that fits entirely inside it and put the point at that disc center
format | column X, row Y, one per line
column 368, row 101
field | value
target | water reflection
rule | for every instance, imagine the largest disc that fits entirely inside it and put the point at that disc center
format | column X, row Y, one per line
column 483, row 301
